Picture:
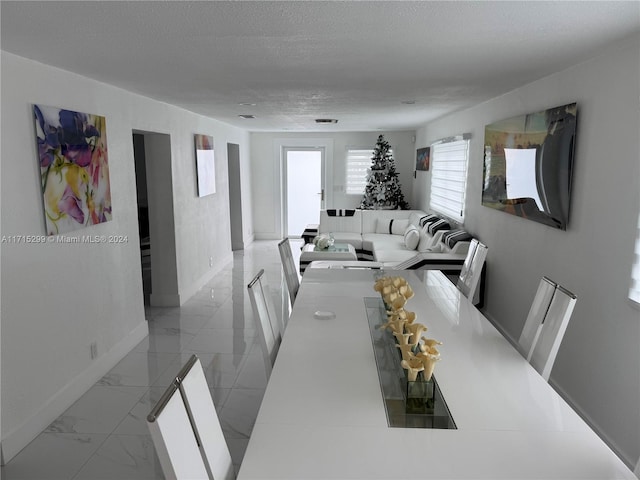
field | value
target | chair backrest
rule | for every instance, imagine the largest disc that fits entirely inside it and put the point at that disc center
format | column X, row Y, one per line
column 197, row 396
column 535, row 318
column 289, row 267
column 173, row 437
column 186, row 431
column 472, row 269
column 269, row 328
column 544, row 351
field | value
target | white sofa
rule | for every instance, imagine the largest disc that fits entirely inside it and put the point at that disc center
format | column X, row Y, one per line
column 382, row 236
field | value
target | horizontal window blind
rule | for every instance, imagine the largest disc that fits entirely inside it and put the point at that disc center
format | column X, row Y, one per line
column 449, row 178
column 358, row 162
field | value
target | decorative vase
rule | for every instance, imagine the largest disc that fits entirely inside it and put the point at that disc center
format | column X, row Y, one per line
column 323, row 241
column 413, row 366
column 416, row 330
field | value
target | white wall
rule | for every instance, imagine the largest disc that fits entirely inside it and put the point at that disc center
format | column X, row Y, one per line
column 599, row 360
column 1, row 309
column 267, row 176
column 203, row 229
column 57, row 299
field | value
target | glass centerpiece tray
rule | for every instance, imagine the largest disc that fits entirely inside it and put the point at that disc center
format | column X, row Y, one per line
column 418, row 404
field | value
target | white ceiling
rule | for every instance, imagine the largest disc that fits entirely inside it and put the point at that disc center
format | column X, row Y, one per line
column 356, row 61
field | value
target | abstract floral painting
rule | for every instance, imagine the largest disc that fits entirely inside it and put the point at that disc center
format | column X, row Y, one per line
column 74, row 168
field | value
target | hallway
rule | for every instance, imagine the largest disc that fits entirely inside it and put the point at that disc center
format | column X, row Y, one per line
column 104, row 435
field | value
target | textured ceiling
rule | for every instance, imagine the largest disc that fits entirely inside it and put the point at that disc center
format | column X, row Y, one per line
column 356, row 61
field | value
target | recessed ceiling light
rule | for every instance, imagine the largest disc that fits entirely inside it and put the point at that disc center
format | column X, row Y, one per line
column 326, row 120
column 246, row 116
column 247, row 104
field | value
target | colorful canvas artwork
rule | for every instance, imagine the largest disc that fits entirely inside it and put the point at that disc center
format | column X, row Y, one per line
column 205, row 165
column 422, row 158
column 74, row 168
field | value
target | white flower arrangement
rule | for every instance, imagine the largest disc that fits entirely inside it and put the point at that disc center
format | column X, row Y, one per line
column 323, row 241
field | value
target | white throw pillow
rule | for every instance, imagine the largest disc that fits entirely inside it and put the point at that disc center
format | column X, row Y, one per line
column 392, row 226
column 411, row 237
column 425, row 242
column 435, row 249
column 398, row 227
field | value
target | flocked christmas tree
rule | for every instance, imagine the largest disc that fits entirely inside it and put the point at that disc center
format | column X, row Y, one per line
column 383, row 188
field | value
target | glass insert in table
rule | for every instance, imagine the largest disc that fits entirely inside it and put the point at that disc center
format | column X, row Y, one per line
column 407, row 404
column 336, row 247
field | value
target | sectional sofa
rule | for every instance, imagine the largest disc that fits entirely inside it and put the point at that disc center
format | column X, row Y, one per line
column 399, row 238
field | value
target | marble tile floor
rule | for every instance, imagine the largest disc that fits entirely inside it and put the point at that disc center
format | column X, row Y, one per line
column 104, row 435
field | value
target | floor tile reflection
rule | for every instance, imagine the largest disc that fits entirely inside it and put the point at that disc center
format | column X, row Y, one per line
column 104, row 435
column 53, row 456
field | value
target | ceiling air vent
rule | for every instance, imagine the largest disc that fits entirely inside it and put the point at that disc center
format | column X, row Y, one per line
column 326, row 120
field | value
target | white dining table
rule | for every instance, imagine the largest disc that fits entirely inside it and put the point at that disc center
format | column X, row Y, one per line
column 323, row 414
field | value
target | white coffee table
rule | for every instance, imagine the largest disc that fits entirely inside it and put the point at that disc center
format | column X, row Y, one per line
column 339, row 251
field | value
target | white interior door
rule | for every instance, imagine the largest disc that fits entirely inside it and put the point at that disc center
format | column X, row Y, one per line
column 304, row 192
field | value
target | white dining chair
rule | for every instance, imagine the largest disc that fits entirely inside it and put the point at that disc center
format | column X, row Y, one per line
column 546, row 324
column 197, row 396
column 543, row 354
column 471, row 271
column 535, row 318
column 269, row 327
column 289, row 267
column 186, row 431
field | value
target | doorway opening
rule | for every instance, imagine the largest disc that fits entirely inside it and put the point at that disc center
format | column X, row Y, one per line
column 304, row 192
column 143, row 213
column 235, row 196
column 154, row 188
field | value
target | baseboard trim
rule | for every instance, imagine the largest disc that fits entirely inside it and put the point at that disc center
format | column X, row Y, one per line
column 594, row 426
column 21, row 436
column 498, row 327
column 567, row 398
column 267, row 236
column 160, row 300
column 189, row 292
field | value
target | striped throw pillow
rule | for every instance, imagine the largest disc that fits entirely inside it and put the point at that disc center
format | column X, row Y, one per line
column 394, row 226
column 441, row 224
column 340, row 212
column 455, row 236
column 429, row 218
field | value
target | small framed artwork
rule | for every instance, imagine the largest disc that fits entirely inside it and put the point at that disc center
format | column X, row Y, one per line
column 422, row 158
column 205, row 165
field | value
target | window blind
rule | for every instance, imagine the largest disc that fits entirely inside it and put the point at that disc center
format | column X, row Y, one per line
column 449, row 178
column 358, row 162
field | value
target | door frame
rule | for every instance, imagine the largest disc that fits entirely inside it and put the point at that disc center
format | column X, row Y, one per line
column 162, row 234
column 279, row 145
column 234, row 177
column 285, row 182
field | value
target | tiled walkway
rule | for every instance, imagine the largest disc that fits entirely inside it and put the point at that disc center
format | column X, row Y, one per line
column 104, row 434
